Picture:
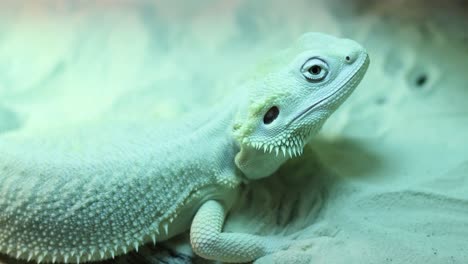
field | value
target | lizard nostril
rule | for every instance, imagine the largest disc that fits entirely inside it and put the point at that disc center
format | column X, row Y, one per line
column 351, row 58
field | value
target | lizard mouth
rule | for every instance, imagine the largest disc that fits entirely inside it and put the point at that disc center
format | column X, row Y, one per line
column 356, row 77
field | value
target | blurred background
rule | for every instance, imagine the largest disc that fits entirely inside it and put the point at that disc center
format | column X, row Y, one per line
column 388, row 175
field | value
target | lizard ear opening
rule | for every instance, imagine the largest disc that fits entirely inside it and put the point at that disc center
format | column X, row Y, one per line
column 271, row 115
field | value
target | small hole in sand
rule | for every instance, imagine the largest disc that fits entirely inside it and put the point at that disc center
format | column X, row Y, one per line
column 421, row 80
column 381, row 101
column 348, row 58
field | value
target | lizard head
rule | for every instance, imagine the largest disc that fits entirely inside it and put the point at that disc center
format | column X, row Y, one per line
column 289, row 98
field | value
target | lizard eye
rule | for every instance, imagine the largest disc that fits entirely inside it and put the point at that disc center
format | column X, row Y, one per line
column 315, row 70
column 271, row 115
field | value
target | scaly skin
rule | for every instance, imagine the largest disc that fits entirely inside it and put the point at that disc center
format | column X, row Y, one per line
column 101, row 191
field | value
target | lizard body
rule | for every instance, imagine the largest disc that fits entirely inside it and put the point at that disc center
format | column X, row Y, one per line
column 101, row 191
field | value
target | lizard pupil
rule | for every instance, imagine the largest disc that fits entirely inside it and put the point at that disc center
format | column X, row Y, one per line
column 271, row 115
column 315, row 70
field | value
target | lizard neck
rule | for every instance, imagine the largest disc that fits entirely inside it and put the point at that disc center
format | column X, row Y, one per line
column 252, row 163
column 256, row 164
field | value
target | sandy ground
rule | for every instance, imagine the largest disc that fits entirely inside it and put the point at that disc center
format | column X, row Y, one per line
column 385, row 182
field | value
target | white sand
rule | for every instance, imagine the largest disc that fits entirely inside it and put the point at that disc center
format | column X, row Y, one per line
column 385, row 182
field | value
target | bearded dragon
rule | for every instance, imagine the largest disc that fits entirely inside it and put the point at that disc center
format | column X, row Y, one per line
column 96, row 192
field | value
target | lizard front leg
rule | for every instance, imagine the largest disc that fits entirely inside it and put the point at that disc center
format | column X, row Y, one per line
column 210, row 242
